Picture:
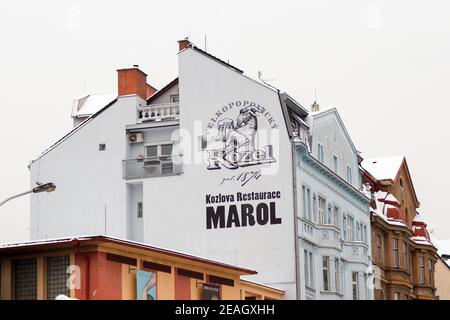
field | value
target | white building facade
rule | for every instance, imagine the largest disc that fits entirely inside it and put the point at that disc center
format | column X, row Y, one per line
column 333, row 214
column 204, row 165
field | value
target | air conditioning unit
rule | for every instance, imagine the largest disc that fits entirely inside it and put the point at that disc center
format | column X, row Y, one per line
column 135, row 137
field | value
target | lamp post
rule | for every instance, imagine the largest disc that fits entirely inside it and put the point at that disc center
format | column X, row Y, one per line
column 46, row 187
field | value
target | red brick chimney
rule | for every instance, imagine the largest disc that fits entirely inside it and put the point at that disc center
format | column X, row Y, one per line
column 150, row 90
column 132, row 81
column 183, row 44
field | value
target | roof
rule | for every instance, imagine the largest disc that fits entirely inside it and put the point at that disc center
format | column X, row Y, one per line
column 162, row 91
column 40, row 245
column 334, row 110
column 383, row 168
column 74, row 130
column 89, row 104
column 217, row 59
column 387, row 208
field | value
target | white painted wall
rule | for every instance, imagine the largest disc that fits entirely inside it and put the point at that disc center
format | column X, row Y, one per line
column 328, row 131
column 88, row 181
column 176, row 217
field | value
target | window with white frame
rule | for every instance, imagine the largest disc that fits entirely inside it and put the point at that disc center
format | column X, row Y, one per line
column 325, row 272
column 350, row 228
column 365, row 240
column 396, row 295
column 335, row 163
column 320, row 152
column 366, row 294
column 337, row 275
column 329, row 214
column 422, row 269
column 163, row 150
column 358, row 231
column 175, row 98
column 306, row 199
column 349, row 174
column 322, row 218
column 355, row 286
column 309, row 270
column 395, row 246
column 336, row 218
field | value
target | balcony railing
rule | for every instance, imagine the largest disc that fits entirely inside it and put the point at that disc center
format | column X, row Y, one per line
column 152, row 167
column 158, row 112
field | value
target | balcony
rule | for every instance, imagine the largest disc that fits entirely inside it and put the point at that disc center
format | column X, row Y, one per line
column 143, row 168
column 158, row 112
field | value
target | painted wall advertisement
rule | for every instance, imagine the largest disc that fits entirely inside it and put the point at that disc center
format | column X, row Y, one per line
column 236, row 137
column 145, row 285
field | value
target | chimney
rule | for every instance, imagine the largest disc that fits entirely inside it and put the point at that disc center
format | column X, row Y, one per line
column 150, row 90
column 315, row 107
column 183, row 44
column 132, row 81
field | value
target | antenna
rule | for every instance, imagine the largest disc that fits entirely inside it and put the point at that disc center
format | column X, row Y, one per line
column 315, row 94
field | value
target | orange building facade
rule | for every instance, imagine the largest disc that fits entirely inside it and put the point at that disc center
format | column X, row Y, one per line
column 104, row 268
column 403, row 256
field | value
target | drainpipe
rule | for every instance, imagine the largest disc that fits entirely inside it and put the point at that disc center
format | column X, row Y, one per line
column 294, row 188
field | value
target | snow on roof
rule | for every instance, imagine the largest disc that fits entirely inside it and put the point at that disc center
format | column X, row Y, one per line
column 383, row 209
column 383, row 168
column 89, row 104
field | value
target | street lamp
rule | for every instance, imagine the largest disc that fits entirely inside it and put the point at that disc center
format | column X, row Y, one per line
column 46, row 187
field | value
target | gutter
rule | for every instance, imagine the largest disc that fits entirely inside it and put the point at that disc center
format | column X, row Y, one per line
column 294, row 188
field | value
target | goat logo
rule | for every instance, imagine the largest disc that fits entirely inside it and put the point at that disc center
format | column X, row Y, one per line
column 238, row 138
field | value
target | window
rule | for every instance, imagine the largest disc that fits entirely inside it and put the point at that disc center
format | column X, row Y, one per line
column 309, row 276
column 166, row 149
column 430, row 271
column 57, row 276
column 379, row 257
column 366, row 292
column 401, row 182
column 25, row 279
column 322, row 219
column 395, row 253
column 335, row 163
column 349, row 174
column 211, row 292
column 151, row 151
column 325, row 270
column 329, row 215
column 162, row 150
column 358, row 231
column 355, row 286
column 337, row 278
column 365, row 234
column 422, row 269
column 140, row 210
column 405, row 255
column 102, row 147
column 336, row 216
column 396, row 295
column 320, row 152
column 175, row 98
column 350, row 235
column 306, row 196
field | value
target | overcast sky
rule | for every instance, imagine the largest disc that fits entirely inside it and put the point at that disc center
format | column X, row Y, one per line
column 383, row 64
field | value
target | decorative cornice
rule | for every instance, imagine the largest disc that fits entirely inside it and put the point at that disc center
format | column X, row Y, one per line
column 331, row 180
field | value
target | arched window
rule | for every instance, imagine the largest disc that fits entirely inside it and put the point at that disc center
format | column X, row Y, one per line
column 401, row 182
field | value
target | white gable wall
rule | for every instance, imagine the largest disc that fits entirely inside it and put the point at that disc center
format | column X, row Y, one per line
column 176, row 216
column 88, row 181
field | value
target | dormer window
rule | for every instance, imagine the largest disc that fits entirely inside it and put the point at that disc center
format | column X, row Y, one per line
column 175, row 98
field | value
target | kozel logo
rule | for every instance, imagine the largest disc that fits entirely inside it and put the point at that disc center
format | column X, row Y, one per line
column 234, row 143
